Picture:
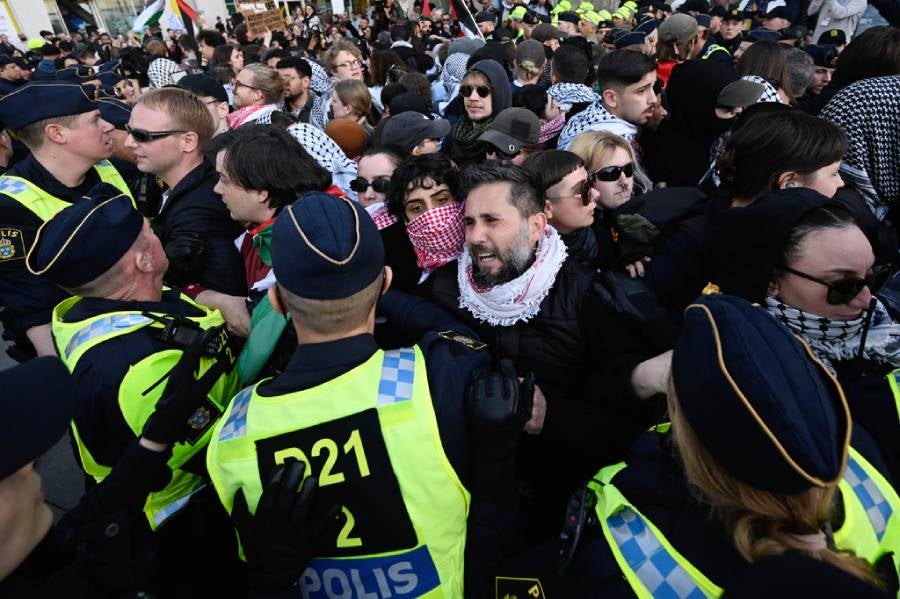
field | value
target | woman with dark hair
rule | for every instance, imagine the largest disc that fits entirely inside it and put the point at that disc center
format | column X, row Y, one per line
column 777, row 150
column 768, row 60
column 385, row 67
column 810, row 265
column 484, row 92
column 229, row 54
column 570, row 201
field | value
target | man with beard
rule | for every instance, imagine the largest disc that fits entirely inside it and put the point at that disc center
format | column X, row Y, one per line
column 514, row 285
column 299, row 99
column 627, row 99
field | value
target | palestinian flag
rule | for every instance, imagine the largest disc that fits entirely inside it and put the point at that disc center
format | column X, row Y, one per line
column 463, row 16
column 168, row 14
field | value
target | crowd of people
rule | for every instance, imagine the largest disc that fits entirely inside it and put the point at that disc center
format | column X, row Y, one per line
column 517, row 299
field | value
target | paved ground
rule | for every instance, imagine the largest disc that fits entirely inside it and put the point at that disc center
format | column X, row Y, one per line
column 63, row 478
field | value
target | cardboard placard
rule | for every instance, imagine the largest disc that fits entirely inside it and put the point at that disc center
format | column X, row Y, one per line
column 261, row 16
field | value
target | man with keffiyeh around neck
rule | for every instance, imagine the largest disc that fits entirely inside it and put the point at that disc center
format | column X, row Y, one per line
column 514, row 285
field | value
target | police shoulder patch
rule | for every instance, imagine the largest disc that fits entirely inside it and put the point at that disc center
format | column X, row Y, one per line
column 12, row 245
column 462, row 340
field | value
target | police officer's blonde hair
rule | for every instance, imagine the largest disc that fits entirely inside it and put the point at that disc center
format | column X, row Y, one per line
column 32, row 135
column 761, row 523
column 185, row 109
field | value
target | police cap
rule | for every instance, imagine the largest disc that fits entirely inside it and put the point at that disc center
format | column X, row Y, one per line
column 835, row 37
column 764, row 408
column 86, row 239
column 78, row 74
column 630, row 39
column 43, row 100
column 37, row 402
column 114, row 111
column 763, row 35
column 325, row 247
column 823, row 56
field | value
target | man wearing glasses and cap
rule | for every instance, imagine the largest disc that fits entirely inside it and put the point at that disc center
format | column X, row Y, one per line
column 70, row 144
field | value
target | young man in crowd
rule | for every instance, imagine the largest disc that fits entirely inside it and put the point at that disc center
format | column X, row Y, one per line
column 627, row 98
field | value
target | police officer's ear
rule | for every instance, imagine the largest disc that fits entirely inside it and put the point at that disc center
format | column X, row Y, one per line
column 275, row 299
column 55, row 132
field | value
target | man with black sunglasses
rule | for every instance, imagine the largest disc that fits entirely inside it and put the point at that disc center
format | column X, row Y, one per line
column 168, row 131
column 70, row 143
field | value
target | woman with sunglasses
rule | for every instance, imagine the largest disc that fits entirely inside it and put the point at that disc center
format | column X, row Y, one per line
column 570, row 201
column 804, row 260
column 661, row 236
column 485, row 92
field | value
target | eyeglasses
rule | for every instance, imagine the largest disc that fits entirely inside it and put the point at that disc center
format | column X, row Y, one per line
column 142, row 136
column 378, row 184
column 239, row 84
column 612, row 173
column 843, row 291
column 350, row 64
column 466, row 90
column 584, row 193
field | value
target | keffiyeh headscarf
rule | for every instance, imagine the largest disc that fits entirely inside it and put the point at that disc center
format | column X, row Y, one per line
column 454, row 71
column 162, row 71
column 839, row 340
column 327, row 153
column 869, row 112
column 770, row 94
column 567, row 94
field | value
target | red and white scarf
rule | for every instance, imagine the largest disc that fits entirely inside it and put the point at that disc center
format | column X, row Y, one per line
column 249, row 114
column 437, row 236
column 520, row 299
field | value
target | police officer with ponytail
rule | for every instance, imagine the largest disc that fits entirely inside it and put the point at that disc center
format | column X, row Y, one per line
column 382, row 433
column 121, row 333
column 756, row 463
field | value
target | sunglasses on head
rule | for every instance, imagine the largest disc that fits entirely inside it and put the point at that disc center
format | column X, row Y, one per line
column 843, row 291
column 379, row 184
column 142, row 136
column 466, row 90
column 584, row 192
column 612, row 173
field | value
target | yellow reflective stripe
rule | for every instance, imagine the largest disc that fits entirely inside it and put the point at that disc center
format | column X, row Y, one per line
column 895, row 389
column 88, row 462
column 32, row 197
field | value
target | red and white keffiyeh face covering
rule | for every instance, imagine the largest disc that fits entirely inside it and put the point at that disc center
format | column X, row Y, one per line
column 379, row 213
column 438, row 235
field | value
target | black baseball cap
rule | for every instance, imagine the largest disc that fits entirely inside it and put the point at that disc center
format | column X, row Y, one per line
column 203, row 85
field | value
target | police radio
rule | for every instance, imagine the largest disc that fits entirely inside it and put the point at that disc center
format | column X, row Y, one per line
column 580, row 515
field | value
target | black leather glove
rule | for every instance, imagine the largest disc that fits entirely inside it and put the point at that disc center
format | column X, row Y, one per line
column 183, row 396
column 187, row 255
column 276, row 540
column 499, row 405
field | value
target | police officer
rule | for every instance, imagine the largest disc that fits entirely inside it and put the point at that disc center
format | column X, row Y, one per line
column 762, row 431
column 89, row 552
column 120, row 335
column 383, row 432
column 69, row 144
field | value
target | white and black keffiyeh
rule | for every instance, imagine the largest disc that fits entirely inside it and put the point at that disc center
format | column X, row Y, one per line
column 451, row 76
column 327, row 153
column 839, row 340
column 163, row 72
column 869, row 112
column 770, row 94
column 567, row 94
column 595, row 118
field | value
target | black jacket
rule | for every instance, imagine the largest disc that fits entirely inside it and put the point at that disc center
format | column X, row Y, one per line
column 582, row 347
column 198, row 234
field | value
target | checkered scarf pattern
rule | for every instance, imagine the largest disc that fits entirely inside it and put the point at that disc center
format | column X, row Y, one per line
column 437, row 236
column 869, row 112
column 161, row 72
column 327, row 153
column 839, row 340
column 379, row 213
column 595, row 118
column 567, row 94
